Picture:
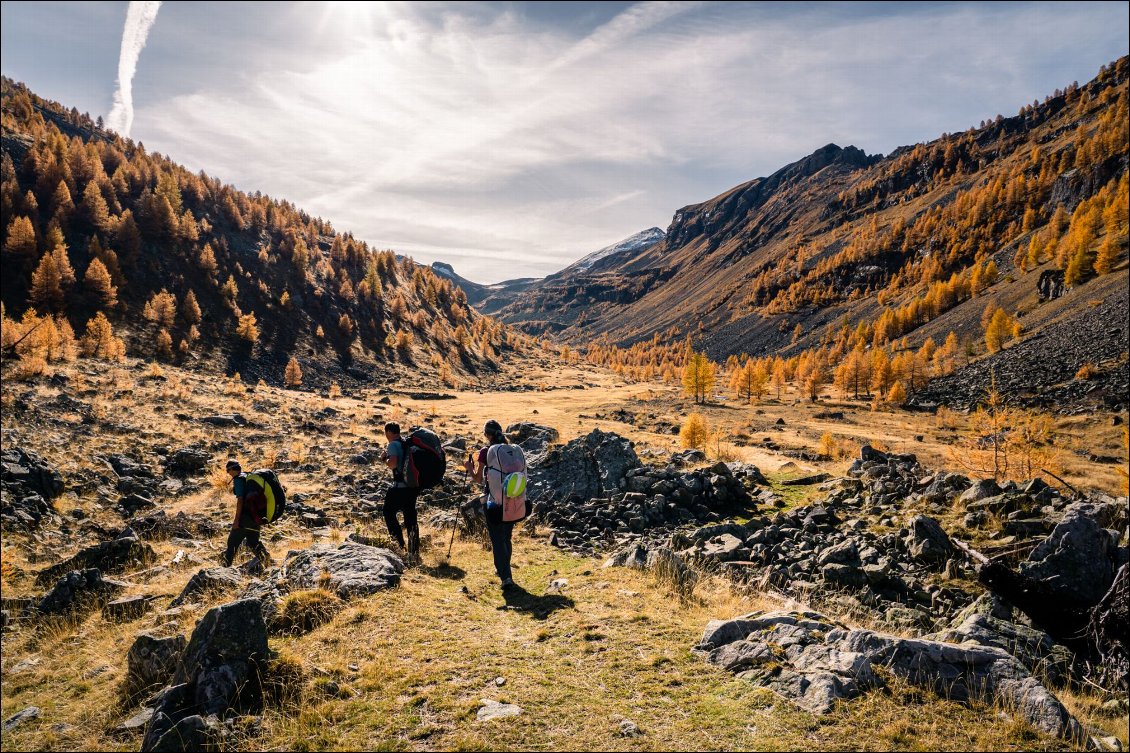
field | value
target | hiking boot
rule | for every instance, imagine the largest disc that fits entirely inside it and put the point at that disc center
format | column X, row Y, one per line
column 508, row 584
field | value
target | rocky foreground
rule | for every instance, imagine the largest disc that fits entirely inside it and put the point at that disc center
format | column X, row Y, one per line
column 1041, row 604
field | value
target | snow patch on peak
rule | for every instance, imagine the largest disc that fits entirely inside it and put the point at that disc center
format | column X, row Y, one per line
column 444, row 269
column 640, row 240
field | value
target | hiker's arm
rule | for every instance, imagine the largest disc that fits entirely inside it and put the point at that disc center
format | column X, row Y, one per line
column 238, row 511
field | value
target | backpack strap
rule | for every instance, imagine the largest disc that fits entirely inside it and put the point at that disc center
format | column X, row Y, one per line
column 401, row 472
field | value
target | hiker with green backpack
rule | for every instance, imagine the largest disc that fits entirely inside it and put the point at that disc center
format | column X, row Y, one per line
column 258, row 499
column 501, row 469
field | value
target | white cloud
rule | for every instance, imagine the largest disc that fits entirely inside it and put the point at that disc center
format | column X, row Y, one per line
column 476, row 137
column 139, row 19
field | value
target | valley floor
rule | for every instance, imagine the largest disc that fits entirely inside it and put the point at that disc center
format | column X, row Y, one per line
column 582, row 650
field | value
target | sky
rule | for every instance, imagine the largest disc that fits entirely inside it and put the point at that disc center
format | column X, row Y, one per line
column 510, row 139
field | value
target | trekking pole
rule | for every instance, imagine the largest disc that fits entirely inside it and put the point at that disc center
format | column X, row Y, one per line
column 455, row 520
column 454, row 525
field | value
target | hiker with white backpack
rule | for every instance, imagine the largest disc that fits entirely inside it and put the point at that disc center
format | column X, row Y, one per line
column 501, row 468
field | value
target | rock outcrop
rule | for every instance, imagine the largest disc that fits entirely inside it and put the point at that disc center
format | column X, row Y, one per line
column 78, row 589
column 114, row 556
column 812, row 661
column 349, row 570
column 27, row 486
column 218, row 673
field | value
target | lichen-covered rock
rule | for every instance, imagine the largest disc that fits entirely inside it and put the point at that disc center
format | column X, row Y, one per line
column 218, row 672
column 151, row 660
column 351, row 569
column 1033, row 648
column 221, row 658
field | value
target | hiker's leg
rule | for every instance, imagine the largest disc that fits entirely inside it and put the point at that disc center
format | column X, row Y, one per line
column 392, row 506
column 411, row 526
column 256, row 545
column 235, row 538
column 500, row 548
column 508, row 546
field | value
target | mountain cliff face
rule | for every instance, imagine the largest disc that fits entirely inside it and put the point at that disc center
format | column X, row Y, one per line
column 782, row 263
column 188, row 270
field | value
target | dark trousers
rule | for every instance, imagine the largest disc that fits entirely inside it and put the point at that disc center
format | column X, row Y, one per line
column 237, row 537
column 401, row 499
column 501, row 545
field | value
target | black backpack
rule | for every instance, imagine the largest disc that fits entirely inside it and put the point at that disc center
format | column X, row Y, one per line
column 273, row 494
column 424, row 459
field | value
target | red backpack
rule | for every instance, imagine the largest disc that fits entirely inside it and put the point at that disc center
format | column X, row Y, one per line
column 424, row 459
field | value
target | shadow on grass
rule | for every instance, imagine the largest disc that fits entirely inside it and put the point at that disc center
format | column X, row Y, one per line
column 446, row 571
column 519, row 599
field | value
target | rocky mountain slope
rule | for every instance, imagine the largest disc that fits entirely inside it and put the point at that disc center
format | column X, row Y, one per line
column 839, row 238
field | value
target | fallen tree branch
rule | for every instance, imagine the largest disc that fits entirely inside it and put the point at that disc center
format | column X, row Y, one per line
column 1057, row 478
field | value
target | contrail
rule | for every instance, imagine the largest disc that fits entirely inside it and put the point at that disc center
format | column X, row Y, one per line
column 139, row 18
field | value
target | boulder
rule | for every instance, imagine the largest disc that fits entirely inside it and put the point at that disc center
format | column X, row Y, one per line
column 980, row 490
column 221, row 657
column 77, row 590
column 192, row 732
column 208, row 580
column 129, row 608
column 350, row 570
column 840, row 575
column 131, row 504
column 927, row 542
column 492, row 710
column 23, row 472
column 1075, row 562
column 632, row 556
column 844, row 553
column 218, row 672
column 108, row 557
column 15, row 720
column 1033, row 648
column 723, row 548
column 187, row 462
column 226, row 420
column 151, row 660
column 966, row 673
column 521, row 432
column 869, row 454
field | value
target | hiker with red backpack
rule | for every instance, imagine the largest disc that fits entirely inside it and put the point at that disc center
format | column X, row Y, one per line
column 501, row 469
column 417, row 462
